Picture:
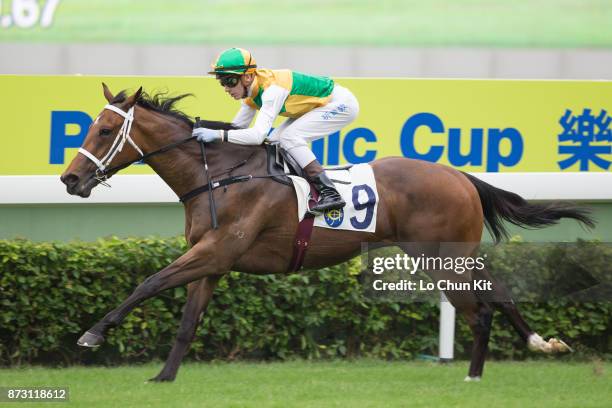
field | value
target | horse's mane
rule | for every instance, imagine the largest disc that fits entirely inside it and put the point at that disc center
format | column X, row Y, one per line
column 162, row 103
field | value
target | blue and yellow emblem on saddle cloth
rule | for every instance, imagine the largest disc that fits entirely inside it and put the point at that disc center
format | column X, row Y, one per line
column 334, row 218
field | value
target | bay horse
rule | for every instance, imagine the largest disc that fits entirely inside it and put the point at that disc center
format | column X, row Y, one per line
column 418, row 202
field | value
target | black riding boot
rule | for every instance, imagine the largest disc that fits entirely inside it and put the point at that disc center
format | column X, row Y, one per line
column 329, row 198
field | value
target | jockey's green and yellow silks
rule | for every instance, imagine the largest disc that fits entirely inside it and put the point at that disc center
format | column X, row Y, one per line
column 306, row 92
column 472, row 125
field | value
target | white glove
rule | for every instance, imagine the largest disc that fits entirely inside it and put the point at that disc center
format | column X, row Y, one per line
column 207, row 135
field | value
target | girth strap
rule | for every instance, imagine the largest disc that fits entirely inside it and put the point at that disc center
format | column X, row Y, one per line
column 304, row 231
column 215, row 185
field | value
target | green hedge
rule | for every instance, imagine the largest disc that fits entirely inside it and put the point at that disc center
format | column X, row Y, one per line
column 51, row 292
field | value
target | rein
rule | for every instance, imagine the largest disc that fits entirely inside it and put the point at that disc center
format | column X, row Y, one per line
column 164, row 149
column 123, row 136
column 103, row 171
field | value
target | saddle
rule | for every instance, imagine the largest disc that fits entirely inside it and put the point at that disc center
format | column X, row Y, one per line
column 281, row 164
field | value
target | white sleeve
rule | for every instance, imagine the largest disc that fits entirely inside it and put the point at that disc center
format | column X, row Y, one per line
column 244, row 116
column 272, row 101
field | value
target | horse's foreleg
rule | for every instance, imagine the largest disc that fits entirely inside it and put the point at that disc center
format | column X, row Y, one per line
column 199, row 294
column 200, row 261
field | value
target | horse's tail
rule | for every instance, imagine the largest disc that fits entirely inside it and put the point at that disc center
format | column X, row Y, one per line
column 500, row 205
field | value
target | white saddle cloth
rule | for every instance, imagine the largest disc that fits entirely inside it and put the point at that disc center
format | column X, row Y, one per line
column 358, row 188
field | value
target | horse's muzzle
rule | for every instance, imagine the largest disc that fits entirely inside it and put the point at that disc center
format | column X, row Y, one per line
column 74, row 186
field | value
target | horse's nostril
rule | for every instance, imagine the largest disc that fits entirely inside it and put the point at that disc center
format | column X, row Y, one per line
column 70, row 179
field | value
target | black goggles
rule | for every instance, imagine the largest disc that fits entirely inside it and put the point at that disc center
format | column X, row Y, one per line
column 229, row 80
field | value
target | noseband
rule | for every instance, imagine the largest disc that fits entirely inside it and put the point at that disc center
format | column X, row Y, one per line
column 117, row 146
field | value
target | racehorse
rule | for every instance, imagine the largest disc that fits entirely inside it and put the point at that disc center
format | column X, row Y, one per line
column 418, row 202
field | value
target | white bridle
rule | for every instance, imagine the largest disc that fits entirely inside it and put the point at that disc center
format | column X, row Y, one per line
column 118, row 143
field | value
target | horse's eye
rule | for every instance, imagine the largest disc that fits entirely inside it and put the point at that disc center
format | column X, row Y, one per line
column 105, row 132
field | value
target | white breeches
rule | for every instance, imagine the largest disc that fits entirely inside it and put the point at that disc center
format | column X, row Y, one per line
column 295, row 134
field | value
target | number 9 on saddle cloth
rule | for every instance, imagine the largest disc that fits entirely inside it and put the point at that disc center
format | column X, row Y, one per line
column 355, row 183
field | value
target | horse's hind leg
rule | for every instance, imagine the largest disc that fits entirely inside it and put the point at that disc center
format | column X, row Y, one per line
column 479, row 316
column 501, row 300
column 481, row 330
column 199, row 294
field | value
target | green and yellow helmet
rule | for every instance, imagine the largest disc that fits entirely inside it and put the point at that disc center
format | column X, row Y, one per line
column 234, row 61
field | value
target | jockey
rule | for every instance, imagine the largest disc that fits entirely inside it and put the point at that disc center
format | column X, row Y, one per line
column 315, row 107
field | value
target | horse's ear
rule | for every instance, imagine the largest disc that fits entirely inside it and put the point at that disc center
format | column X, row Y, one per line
column 131, row 101
column 107, row 93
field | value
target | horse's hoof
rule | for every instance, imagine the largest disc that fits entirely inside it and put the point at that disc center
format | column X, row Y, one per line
column 160, row 378
column 471, row 379
column 536, row 343
column 559, row 346
column 90, row 339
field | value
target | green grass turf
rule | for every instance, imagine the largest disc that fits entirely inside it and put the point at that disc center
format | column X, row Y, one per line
column 503, row 23
column 361, row 383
